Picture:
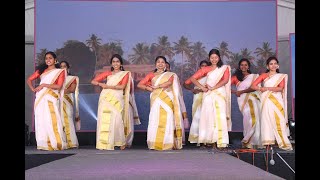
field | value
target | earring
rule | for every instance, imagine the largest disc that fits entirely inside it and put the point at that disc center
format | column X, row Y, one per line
column 56, row 62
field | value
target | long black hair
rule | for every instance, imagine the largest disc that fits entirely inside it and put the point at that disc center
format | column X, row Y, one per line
column 268, row 61
column 43, row 66
column 165, row 60
column 238, row 72
column 216, row 51
column 120, row 59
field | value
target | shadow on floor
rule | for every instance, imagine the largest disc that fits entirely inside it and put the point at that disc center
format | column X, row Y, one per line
column 34, row 160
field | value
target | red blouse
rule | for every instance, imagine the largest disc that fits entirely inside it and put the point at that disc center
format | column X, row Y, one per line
column 234, row 80
column 148, row 78
column 264, row 76
column 59, row 81
column 105, row 74
column 203, row 72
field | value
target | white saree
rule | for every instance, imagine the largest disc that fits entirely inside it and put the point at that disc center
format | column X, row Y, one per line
column 68, row 115
column 274, row 115
column 196, row 111
column 133, row 116
column 249, row 105
column 48, row 123
column 165, row 128
column 113, row 113
column 215, row 118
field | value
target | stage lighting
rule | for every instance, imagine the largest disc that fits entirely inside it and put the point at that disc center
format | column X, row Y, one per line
column 292, row 125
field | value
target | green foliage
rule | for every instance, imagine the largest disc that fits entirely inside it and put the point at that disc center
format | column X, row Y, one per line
column 80, row 58
column 87, row 57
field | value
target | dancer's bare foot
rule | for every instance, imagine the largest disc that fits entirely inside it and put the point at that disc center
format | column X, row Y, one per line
column 214, row 146
column 122, row 147
column 174, row 147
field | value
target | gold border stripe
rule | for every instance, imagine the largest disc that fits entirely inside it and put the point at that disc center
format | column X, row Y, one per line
column 253, row 116
column 67, row 125
column 66, row 97
column 218, row 119
column 158, row 145
column 54, row 125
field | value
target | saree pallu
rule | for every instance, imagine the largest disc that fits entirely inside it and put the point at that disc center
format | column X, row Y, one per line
column 215, row 118
column 113, row 114
column 165, row 128
column 249, row 105
column 48, row 123
column 274, row 117
column 196, row 111
column 182, row 108
column 68, row 115
column 133, row 116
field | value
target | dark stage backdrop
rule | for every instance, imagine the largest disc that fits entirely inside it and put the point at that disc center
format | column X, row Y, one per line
column 88, row 33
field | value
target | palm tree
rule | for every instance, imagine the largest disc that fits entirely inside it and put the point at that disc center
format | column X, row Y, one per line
column 183, row 47
column 245, row 53
column 141, row 54
column 163, row 47
column 94, row 44
column 224, row 50
column 234, row 60
column 198, row 54
column 265, row 51
column 153, row 51
column 106, row 51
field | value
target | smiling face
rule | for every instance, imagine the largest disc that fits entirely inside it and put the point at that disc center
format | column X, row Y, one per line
column 49, row 59
column 214, row 59
column 244, row 66
column 160, row 64
column 116, row 63
column 273, row 65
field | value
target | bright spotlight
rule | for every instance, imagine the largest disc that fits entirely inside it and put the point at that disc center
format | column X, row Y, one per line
column 292, row 125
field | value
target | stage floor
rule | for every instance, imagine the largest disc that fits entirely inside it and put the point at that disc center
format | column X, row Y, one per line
column 141, row 163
